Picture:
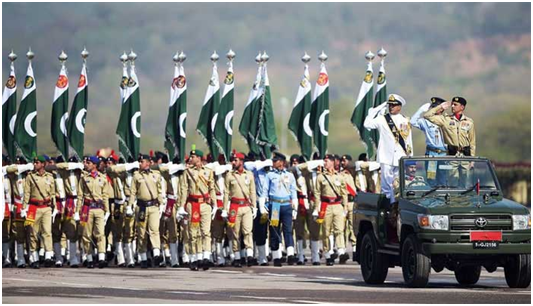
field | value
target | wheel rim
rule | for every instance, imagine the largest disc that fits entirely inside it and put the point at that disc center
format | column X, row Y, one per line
column 411, row 262
column 369, row 258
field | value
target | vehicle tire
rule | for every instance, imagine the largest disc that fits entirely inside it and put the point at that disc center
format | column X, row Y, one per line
column 518, row 271
column 374, row 265
column 416, row 266
column 467, row 275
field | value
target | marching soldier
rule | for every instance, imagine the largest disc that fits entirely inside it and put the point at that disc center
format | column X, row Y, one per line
column 199, row 200
column 395, row 139
column 117, row 208
column 240, row 202
column 330, row 192
column 39, row 199
column 93, row 209
column 302, row 218
column 146, row 190
column 57, row 212
column 348, row 174
column 280, row 189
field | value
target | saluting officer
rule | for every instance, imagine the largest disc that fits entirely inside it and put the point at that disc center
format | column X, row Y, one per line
column 93, row 210
column 330, row 191
column 199, row 197
column 39, row 199
column 146, row 190
column 240, row 207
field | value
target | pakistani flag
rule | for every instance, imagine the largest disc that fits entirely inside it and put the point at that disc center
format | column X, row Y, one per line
column 78, row 112
column 209, row 112
column 320, row 112
column 381, row 96
column 224, row 124
column 266, row 136
column 26, row 122
column 248, row 119
column 58, row 126
column 364, row 102
column 177, row 115
column 128, row 129
column 301, row 113
column 9, row 110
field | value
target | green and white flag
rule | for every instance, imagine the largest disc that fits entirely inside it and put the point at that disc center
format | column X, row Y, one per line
column 26, row 122
column 248, row 119
column 9, row 114
column 209, row 112
column 224, row 125
column 320, row 112
column 300, row 116
column 175, row 132
column 381, row 96
column 129, row 125
column 58, row 126
column 363, row 103
column 266, row 136
column 78, row 113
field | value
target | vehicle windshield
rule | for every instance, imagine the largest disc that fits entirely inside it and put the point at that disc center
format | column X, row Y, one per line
column 453, row 174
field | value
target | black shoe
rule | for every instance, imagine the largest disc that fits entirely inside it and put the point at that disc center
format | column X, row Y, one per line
column 7, row 265
column 343, row 259
column 250, row 261
column 90, row 265
column 291, row 260
column 101, row 264
column 41, row 260
column 85, row 262
column 353, row 256
column 122, row 265
column 265, row 264
column 144, row 264
column 157, row 261
column 237, row 264
column 193, row 266
column 269, row 257
column 206, row 264
column 329, row 262
column 176, row 266
column 277, row 262
column 255, row 262
column 300, row 263
column 283, row 259
column 243, row 261
column 22, row 266
column 168, row 263
column 109, row 256
column 48, row 263
column 34, row 265
column 74, row 266
column 316, row 263
column 131, row 266
column 59, row 264
column 334, row 255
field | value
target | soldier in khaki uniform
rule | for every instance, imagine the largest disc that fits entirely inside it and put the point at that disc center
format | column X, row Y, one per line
column 117, row 209
column 39, row 198
column 459, row 135
column 146, row 190
column 330, row 192
column 199, row 200
column 240, row 207
column 93, row 209
column 349, row 178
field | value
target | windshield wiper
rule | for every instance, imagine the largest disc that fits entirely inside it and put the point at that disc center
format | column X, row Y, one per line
column 474, row 187
column 433, row 190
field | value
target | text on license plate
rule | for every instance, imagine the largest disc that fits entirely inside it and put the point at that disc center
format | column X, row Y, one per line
column 486, row 244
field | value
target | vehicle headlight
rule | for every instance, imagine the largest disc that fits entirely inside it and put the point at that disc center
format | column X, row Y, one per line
column 521, row 222
column 436, row 222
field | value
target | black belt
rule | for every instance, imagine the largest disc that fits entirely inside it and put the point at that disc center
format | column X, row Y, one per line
column 330, row 200
column 91, row 204
column 453, row 150
column 147, row 203
column 439, row 151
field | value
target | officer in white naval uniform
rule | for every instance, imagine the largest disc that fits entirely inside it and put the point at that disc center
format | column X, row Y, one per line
column 395, row 139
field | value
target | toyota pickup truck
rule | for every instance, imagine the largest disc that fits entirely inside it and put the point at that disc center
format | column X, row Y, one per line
column 449, row 212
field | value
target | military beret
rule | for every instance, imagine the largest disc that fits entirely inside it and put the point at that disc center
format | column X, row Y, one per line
column 239, row 155
column 294, row 157
column 39, row 158
column 197, row 153
column 278, row 156
column 144, row 156
column 347, row 157
column 396, row 99
column 460, row 100
column 410, row 163
column 435, row 101
column 93, row 159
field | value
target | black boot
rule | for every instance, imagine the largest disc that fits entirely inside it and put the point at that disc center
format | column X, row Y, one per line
column 291, row 260
column 157, row 261
column 237, row 263
column 144, row 264
column 102, row 264
column 193, row 266
column 48, row 263
column 206, row 264
column 343, row 259
column 329, row 262
column 34, row 265
column 277, row 262
column 90, row 264
column 316, row 263
column 250, row 261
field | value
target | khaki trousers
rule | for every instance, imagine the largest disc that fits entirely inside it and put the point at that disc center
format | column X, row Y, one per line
column 43, row 227
column 95, row 228
column 200, row 236
column 334, row 224
column 117, row 225
column 148, row 229
column 348, row 232
column 243, row 225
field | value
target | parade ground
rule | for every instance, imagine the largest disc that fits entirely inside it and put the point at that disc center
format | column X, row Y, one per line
column 294, row 284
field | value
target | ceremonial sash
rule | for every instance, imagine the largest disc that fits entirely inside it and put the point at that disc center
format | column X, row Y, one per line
column 59, row 205
column 30, row 216
column 396, row 134
column 274, row 211
column 84, row 217
column 325, row 201
column 70, row 207
column 141, row 217
column 302, row 212
column 232, row 216
column 7, row 213
column 220, row 205
column 195, row 213
column 350, row 190
column 169, row 208
column 18, row 209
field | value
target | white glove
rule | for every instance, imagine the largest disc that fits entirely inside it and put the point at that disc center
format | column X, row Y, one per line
column 161, row 209
column 173, row 168
column 129, row 211
column 224, row 214
column 315, row 214
column 213, row 212
column 74, row 166
column 130, row 166
column 262, row 164
column 223, row 169
column 262, row 206
column 106, row 216
column 294, row 214
column 254, row 212
column 313, row 164
column 76, row 216
column 24, row 213
column 24, row 168
column 182, row 212
column 212, row 166
column 54, row 214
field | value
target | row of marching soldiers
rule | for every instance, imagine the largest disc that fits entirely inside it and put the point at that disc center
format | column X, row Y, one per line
column 156, row 213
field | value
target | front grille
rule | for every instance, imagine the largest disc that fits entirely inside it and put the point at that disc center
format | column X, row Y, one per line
column 468, row 222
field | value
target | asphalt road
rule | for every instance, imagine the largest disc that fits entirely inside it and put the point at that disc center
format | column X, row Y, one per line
column 294, row 284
